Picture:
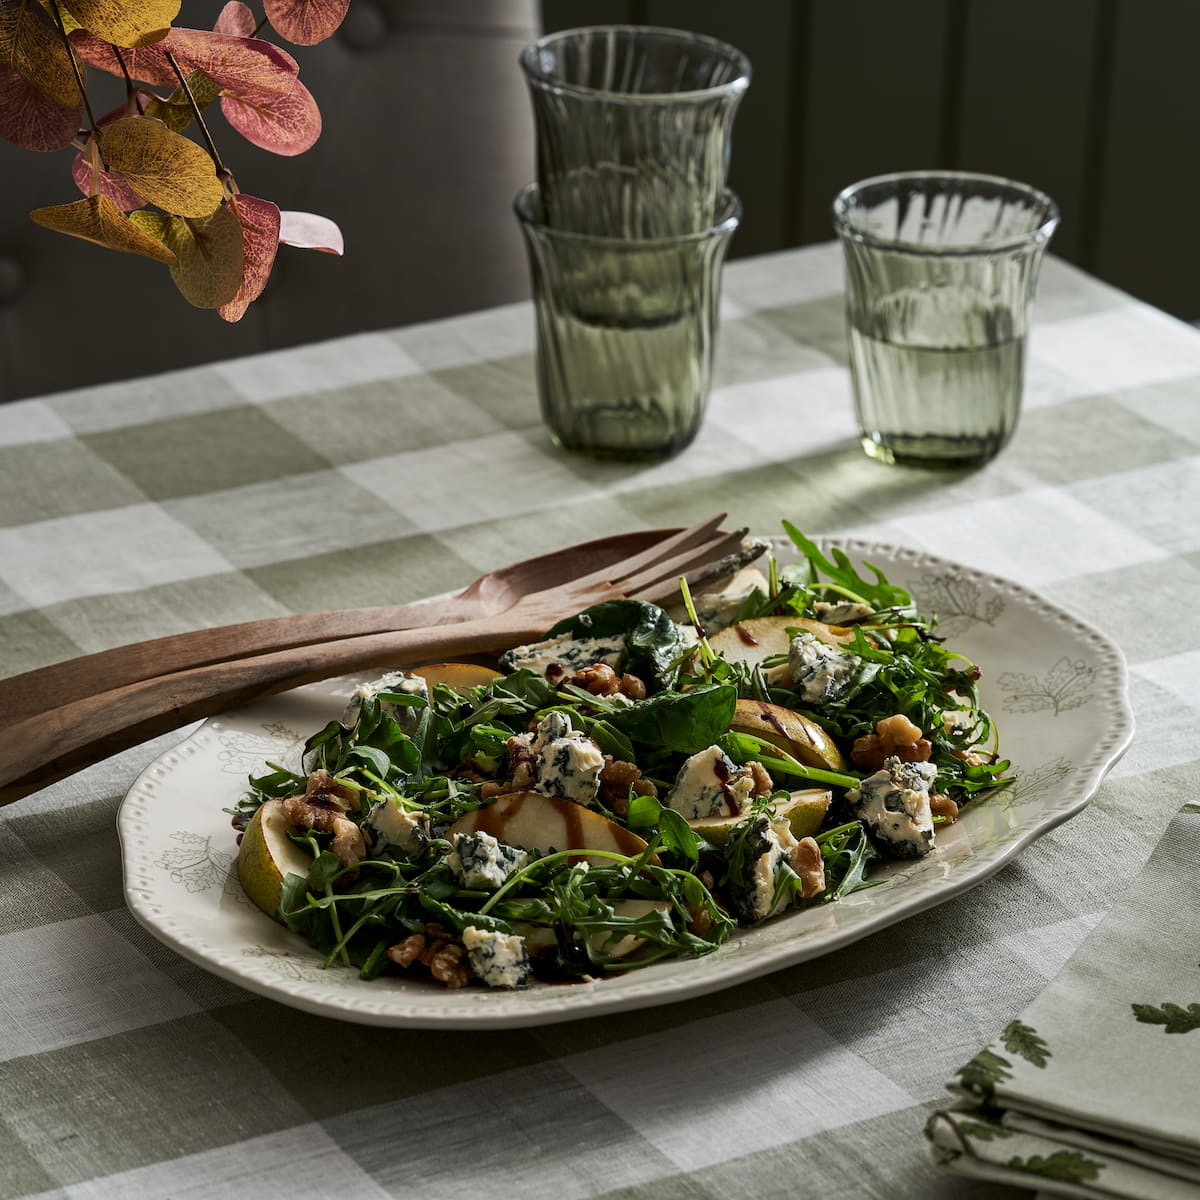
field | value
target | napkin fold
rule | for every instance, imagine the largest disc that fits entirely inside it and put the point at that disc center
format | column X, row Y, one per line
column 1094, row 1090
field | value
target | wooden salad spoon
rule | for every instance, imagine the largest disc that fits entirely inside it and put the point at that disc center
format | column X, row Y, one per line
column 43, row 747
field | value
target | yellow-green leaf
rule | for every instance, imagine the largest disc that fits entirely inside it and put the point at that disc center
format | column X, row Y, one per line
column 69, row 22
column 209, row 252
column 32, row 46
column 97, row 219
column 174, row 111
column 125, row 22
column 166, row 168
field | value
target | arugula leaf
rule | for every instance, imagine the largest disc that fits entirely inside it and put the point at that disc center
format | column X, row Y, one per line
column 458, row 919
column 877, row 592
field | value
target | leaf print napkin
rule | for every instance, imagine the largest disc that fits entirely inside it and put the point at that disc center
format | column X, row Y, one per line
column 1094, row 1090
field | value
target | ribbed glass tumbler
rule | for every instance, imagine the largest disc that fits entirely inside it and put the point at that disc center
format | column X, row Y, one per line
column 633, row 128
column 625, row 332
column 941, row 272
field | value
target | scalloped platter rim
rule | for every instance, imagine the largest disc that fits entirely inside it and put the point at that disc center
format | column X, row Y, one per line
column 1050, row 681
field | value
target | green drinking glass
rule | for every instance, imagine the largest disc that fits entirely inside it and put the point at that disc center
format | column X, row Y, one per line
column 625, row 332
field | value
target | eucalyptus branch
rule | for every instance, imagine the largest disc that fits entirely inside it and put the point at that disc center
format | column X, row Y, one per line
column 130, row 91
column 62, row 29
column 222, row 170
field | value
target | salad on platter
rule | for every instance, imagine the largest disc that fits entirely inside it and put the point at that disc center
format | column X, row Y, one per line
column 635, row 785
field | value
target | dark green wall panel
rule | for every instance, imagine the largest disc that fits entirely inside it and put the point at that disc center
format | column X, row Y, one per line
column 876, row 76
column 759, row 170
column 1096, row 101
column 1025, row 100
column 1147, row 235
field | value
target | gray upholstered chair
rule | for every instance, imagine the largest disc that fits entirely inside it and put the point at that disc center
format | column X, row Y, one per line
column 427, row 136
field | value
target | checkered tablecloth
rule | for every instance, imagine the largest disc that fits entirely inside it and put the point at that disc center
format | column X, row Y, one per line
column 393, row 465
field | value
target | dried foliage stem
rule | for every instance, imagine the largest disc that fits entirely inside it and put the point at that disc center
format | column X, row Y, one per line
column 130, row 91
column 62, row 29
column 223, row 172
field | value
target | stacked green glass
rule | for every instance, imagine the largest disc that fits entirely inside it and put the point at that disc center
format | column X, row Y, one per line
column 627, row 228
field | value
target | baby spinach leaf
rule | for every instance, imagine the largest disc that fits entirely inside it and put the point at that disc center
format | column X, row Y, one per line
column 652, row 641
column 684, row 721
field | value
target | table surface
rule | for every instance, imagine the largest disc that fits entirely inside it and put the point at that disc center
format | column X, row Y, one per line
column 362, row 471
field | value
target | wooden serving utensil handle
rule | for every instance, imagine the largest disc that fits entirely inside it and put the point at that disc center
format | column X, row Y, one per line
column 50, row 745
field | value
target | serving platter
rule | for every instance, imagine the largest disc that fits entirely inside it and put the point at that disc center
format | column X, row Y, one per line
column 1057, row 688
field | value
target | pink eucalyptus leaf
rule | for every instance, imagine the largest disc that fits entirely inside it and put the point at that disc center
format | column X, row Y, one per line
column 236, row 20
column 260, row 241
column 109, row 183
column 310, row 232
column 145, row 63
column 286, row 125
column 244, row 66
column 306, row 22
column 31, row 119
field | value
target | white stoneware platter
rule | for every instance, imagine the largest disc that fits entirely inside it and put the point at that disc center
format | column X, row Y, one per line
column 1055, row 686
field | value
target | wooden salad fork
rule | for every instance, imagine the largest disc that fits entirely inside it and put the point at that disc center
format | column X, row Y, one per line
column 45, row 688
column 38, row 748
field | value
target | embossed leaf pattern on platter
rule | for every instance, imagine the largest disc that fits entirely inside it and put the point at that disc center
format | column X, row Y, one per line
column 1066, row 686
column 1031, row 785
column 194, row 863
column 242, row 753
column 289, row 966
column 958, row 602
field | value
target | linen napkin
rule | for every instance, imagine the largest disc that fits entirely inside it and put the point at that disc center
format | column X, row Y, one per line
column 1094, row 1090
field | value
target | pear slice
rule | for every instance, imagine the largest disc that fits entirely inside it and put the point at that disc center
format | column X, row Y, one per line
column 267, row 855
column 462, row 677
column 625, row 946
column 758, row 638
column 531, row 821
column 803, row 813
column 803, row 739
column 539, row 937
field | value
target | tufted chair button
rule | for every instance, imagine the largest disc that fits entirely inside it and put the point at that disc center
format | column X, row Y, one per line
column 365, row 26
column 12, row 278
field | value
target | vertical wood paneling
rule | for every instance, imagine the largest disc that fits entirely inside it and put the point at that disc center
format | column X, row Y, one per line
column 876, row 77
column 761, row 134
column 1148, row 238
column 1026, row 89
column 569, row 14
column 1096, row 101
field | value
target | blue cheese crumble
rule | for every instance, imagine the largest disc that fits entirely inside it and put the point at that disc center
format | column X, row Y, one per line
column 820, row 671
column 842, row 612
column 709, row 784
column 716, row 610
column 482, row 863
column 389, row 826
column 566, row 762
column 497, row 959
column 405, row 715
column 568, row 653
column 894, row 805
column 752, row 888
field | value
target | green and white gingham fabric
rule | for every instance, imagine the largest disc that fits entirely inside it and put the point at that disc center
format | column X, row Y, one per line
column 393, row 465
